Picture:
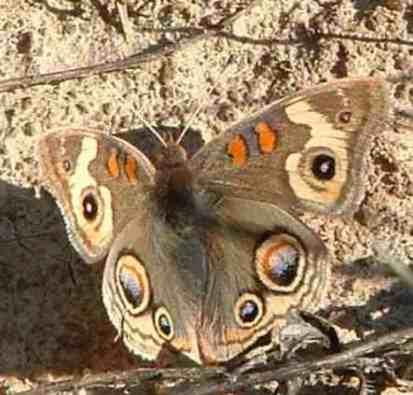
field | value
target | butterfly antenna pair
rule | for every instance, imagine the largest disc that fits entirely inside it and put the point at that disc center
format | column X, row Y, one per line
column 201, row 105
column 186, row 128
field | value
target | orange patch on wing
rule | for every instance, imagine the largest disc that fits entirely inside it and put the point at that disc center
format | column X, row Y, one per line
column 131, row 169
column 267, row 137
column 238, row 150
column 112, row 163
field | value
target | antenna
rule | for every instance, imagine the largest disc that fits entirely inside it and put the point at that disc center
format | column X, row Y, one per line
column 202, row 103
column 142, row 119
column 152, row 129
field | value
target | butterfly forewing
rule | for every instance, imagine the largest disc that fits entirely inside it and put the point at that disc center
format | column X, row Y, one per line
column 302, row 152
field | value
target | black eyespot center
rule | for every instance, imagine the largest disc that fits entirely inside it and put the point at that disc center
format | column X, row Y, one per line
column 323, row 167
column 345, row 116
column 132, row 287
column 90, row 207
column 67, row 165
column 283, row 267
column 248, row 311
column 164, row 324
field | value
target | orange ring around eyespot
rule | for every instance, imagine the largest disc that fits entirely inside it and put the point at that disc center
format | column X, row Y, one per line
column 263, row 254
column 137, row 271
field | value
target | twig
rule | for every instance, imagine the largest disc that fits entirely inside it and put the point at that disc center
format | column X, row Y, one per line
column 398, row 341
column 140, row 380
column 208, row 381
column 147, row 55
column 192, row 36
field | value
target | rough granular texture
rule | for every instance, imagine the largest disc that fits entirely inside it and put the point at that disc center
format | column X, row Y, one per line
column 52, row 321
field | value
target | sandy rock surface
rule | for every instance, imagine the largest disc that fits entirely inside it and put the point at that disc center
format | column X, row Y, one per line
column 52, row 321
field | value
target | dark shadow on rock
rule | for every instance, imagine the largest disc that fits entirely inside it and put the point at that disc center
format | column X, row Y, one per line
column 389, row 309
column 52, row 318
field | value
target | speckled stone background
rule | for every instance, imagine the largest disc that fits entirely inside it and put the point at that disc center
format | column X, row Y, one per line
column 52, row 321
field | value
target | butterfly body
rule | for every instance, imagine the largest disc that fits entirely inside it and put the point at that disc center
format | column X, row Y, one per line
column 207, row 255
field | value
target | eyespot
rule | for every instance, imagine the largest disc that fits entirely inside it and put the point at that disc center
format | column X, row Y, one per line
column 91, row 205
column 133, row 284
column 280, row 263
column 67, row 165
column 249, row 309
column 344, row 116
column 319, row 166
column 164, row 324
column 323, row 167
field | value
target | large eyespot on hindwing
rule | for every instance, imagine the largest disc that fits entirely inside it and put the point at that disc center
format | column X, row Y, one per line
column 163, row 323
column 133, row 284
column 280, row 263
column 248, row 310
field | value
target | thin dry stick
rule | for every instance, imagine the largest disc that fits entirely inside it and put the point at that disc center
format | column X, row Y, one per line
column 193, row 35
column 147, row 55
column 152, row 53
column 397, row 342
column 208, row 381
column 273, row 41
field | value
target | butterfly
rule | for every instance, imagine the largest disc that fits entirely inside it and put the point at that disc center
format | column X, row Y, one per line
column 204, row 256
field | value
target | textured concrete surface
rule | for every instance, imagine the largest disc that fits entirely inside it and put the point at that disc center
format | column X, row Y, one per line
column 52, row 322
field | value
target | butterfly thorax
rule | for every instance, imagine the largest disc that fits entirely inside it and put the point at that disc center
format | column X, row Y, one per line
column 173, row 185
